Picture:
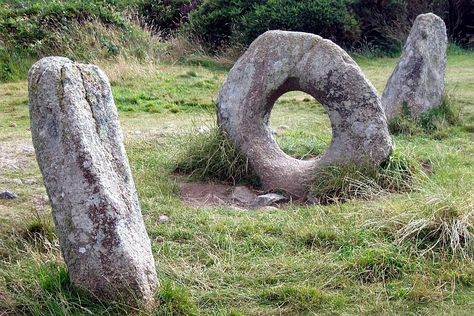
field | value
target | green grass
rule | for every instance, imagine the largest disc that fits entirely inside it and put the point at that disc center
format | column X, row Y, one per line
column 400, row 252
column 167, row 92
column 211, row 156
column 435, row 121
column 399, row 173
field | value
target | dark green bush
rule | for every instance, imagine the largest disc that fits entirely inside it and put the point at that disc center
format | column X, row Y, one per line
column 81, row 30
column 216, row 21
column 460, row 22
column 219, row 22
column 166, row 15
column 330, row 19
column 24, row 27
column 379, row 25
column 385, row 24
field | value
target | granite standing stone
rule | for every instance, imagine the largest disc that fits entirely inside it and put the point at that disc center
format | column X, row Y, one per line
column 79, row 149
column 278, row 62
column 418, row 79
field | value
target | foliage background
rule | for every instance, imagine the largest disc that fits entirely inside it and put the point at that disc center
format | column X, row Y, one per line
column 138, row 29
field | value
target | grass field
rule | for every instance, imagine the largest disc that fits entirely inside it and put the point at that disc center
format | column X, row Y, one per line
column 389, row 254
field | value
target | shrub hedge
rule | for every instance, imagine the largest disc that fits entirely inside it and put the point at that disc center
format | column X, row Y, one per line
column 354, row 24
column 86, row 30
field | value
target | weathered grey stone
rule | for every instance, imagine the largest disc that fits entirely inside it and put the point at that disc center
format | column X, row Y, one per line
column 278, row 62
column 243, row 195
column 79, row 149
column 270, row 199
column 8, row 195
column 163, row 219
column 418, row 79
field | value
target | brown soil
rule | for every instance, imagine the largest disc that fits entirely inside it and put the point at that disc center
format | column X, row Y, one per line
column 199, row 194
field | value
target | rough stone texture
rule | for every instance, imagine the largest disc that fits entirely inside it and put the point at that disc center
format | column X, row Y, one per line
column 79, row 149
column 278, row 62
column 418, row 79
column 242, row 195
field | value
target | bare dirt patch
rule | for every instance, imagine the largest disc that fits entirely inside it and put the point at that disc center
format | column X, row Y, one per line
column 200, row 194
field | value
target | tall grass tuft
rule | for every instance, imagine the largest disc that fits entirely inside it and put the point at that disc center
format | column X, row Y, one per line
column 399, row 173
column 443, row 224
column 175, row 300
column 448, row 113
column 212, row 156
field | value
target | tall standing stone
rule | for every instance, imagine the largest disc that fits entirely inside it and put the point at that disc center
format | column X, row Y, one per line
column 418, row 80
column 79, row 149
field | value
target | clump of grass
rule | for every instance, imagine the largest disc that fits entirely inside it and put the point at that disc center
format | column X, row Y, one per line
column 422, row 291
column 448, row 113
column 175, row 301
column 444, row 225
column 212, row 156
column 417, row 288
column 399, row 173
column 322, row 237
column 39, row 234
column 297, row 299
column 40, row 228
column 378, row 264
column 45, row 289
column 404, row 123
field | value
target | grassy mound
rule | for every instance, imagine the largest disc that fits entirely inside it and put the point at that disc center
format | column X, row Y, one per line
column 81, row 30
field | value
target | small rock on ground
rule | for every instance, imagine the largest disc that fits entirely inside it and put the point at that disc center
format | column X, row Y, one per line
column 243, row 195
column 269, row 209
column 30, row 181
column 270, row 199
column 8, row 195
column 163, row 219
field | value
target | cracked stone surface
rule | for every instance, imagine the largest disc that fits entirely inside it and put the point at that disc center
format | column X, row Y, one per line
column 418, row 79
column 79, row 149
column 278, row 62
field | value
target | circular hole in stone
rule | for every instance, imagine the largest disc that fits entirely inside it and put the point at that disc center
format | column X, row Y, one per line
column 300, row 125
